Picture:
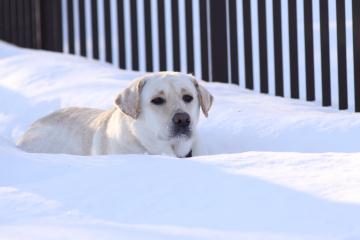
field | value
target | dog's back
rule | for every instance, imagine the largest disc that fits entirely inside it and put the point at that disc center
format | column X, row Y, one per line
column 68, row 131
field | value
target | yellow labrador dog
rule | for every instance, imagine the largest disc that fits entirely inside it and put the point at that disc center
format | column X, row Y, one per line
column 155, row 114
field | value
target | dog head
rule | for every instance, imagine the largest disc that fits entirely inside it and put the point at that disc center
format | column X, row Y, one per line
column 166, row 103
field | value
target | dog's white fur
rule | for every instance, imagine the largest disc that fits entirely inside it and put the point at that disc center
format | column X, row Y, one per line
column 134, row 125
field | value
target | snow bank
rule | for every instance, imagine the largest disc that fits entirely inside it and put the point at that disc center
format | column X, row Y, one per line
column 271, row 168
column 40, row 82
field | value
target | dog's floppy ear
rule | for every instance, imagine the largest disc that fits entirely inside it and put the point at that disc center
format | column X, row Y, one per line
column 129, row 99
column 205, row 98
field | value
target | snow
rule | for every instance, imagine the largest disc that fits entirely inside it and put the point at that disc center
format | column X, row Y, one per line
column 270, row 168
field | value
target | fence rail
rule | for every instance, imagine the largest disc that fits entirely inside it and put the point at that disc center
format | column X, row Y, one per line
column 294, row 48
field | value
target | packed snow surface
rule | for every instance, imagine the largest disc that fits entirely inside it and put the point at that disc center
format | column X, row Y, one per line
column 270, row 168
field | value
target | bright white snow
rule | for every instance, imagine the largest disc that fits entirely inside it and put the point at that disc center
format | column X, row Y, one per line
column 271, row 168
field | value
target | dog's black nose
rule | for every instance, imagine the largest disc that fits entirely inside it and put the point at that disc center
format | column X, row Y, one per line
column 181, row 119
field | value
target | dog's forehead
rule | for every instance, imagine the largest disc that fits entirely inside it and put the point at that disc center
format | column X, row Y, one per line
column 167, row 84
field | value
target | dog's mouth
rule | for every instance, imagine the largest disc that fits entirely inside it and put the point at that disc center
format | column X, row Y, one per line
column 180, row 132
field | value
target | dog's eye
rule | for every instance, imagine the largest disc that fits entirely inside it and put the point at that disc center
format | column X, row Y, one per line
column 187, row 98
column 158, row 101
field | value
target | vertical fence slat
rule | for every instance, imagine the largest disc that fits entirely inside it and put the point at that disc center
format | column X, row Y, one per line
column 13, row 22
column 39, row 26
column 71, row 34
column 341, row 47
column 95, row 29
column 9, row 18
column 82, row 27
column 46, row 23
column 6, row 19
column 58, row 33
column 233, row 42
column 107, row 27
column 175, row 34
column 278, row 53
column 162, row 35
column 2, row 20
column 51, row 25
column 189, row 36
column 16, row 31
column 33, row 23
column 36, row 21
column 27, row 24
column 17, row 23
column 148, row 36
column 309, row 50
column 293, row 44
column 121, row 32
column 325, row 54
column 20, row 22
column 219, row 56
column 249, row 79
column 203, row 6
column 22, row 19
column 134, row 35
column 264, row 81
column 356, row 46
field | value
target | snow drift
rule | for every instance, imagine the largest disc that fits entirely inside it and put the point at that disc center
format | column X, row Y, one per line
column 271, row 168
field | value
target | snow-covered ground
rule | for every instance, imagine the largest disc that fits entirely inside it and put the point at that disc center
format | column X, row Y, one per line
column 271, row 168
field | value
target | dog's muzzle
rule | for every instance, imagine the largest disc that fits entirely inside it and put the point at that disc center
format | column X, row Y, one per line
column 181, row 124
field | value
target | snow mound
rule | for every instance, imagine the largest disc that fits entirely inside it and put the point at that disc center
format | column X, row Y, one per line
column 270, row 168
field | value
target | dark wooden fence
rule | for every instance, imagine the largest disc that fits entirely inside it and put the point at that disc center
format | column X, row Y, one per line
column 209, row 30
column 32, row 23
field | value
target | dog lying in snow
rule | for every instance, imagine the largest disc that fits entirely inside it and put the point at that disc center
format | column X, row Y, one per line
column 155, row 114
